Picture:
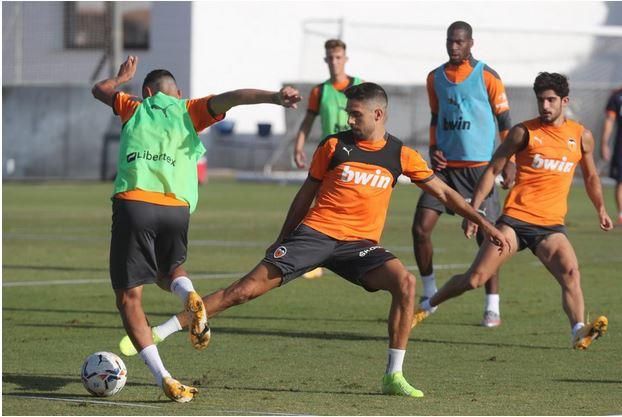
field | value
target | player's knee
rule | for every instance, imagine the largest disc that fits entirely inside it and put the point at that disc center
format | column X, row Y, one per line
column 477, row 279
column 571, row 277
column 407, row 284
column 240, row 294
column 421, row 234
column 127, row 299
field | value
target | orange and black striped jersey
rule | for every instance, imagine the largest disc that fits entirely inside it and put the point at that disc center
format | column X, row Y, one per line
column 357, row 178
column 315, row 97
column 201, row 115
column 495, row 90
column 544, row 172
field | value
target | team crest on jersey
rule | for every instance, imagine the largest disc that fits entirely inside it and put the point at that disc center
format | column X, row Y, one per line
column 280, row 252
column 572, row 144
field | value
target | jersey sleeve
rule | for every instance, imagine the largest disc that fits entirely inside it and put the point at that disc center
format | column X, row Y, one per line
column 201, row 114
column 414, row 166
column 125, row 105
column 321, row 159
column 314, row 100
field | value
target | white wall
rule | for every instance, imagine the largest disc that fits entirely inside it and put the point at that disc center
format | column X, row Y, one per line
column 261, row 43
column 46, row 61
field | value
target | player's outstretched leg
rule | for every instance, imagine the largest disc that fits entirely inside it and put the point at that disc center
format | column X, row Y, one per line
column 584, row 337
column 177, row 391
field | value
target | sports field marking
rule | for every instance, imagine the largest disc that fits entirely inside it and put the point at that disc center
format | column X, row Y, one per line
column 9, row 284
column 78, row 400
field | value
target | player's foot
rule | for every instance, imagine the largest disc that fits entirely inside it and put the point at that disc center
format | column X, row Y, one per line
column 177, row 391
column 127, row 347
column 419, row 316
column 314, row 273
column 396, row 384
column 491, row 319
column 590, row 332
column 199, row 328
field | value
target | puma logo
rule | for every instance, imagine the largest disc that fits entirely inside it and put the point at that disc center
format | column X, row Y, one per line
column 347, row 150
column 155, row 106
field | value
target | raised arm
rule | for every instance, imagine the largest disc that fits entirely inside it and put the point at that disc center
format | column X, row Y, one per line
column 453, row 200
column 105, row 90
column 592, row 180
column 286, row 97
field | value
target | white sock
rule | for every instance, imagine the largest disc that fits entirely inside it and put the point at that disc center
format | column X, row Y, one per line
column 425, row 304
column 151, row 357
column 181, row 286
column 429, row 285
column 395, row 361
column 492, row 303
column 167, row 328
column 576, row 328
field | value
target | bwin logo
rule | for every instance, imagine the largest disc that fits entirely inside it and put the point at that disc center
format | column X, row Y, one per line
column 552, row 164
column 366, row 251
column 456, row 124
column 365, row 178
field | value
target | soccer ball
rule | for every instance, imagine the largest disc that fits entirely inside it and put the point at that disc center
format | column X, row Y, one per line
column 103, row 374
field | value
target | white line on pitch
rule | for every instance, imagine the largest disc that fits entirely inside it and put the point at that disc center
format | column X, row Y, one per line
column 8, row 284
column 77, row 400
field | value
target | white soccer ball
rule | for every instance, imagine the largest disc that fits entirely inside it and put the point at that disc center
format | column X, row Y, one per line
column 103, row 374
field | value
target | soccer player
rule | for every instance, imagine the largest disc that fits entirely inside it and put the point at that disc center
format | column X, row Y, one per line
column 614, row 113
column 155, row 191
column 329, row 101
column 547, row 150
column 465, row 96
column 351, row 179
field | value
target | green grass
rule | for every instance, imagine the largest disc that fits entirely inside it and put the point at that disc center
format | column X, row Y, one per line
column 311, row 347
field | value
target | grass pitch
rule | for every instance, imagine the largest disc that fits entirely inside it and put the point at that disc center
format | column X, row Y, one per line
column 311, row 347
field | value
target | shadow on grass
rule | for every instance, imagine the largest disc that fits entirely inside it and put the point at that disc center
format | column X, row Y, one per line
column 589, row 381
column 297, row 390
column 28, row 383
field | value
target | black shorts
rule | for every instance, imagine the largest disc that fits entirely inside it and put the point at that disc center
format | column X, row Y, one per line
column 530, row 235
column 146, row 239
column 464, row 181
column 306, row 249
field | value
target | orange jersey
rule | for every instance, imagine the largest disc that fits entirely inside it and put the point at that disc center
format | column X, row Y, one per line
column 545, row 168
column 315, row 95
column 496, row 94
column 357, row 181
column 125, row 105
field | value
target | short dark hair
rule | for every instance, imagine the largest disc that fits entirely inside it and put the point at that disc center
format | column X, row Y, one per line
column 366, row 92
column 460, row 25
column 155, row 76
column 551, row 81
column 334, row 43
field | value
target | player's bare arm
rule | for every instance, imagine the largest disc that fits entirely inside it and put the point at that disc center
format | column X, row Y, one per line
column 514, row 142
column 452, row 199
column 299, row 141
column 286, row 97
column 299, row 207
column 592, row 180
column 509, row 170
column 105, row 90
column 605, row 150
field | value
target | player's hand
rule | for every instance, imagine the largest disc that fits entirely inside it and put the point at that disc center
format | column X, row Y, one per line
column 605, row 152
column 127, row 69
column 470, row 228
column 438, row 160
column 497, row 238
column 508, row 174
column 289, row 96
column 605, row 221
column 300, row 158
